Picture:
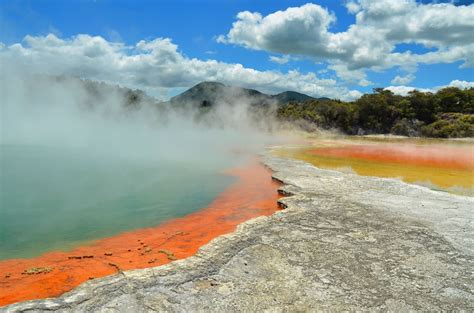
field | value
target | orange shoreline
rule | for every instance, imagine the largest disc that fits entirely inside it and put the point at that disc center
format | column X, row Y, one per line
column 49, row 275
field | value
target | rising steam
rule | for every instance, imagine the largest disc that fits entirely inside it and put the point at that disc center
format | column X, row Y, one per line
column 94, row 117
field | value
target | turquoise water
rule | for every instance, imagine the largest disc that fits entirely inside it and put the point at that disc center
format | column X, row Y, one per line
column 56, row 199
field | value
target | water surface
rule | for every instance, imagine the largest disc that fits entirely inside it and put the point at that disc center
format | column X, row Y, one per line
column 53, row 198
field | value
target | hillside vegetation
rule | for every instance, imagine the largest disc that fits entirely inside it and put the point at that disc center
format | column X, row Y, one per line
column 446, row 113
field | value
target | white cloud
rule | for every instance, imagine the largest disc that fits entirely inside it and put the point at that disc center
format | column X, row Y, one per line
column 461, row 84
column 295, row 30
column 403, row 80
column 352, row 76
column 404, row 90
column 155, row 66
column 280, row 60
column 353, row 7
column 369, row 43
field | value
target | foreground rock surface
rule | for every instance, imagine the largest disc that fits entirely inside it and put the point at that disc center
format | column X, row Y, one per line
column 344, row 242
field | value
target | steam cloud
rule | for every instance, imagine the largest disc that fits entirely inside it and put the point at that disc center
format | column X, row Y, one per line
column 60, row 112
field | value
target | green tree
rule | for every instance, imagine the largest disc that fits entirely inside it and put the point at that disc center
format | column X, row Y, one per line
column 424, row 105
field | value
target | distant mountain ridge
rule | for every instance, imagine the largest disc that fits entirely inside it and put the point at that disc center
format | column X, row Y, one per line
column 207, row 94
column 288, row 96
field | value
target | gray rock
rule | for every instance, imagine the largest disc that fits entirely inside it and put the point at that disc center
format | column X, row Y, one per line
column 344, row 242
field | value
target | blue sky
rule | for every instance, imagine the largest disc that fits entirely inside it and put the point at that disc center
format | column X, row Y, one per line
column 193, row 27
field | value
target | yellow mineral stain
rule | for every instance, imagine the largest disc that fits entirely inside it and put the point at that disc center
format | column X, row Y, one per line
column 442, row 165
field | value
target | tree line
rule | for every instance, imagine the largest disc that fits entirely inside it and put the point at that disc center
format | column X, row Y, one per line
column 448, row 113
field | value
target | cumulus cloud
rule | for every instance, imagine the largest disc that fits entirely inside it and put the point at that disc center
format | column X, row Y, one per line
column 405, row 90
column 352, row 76
column 461, row 84
column 369, row 43
column 352, row 7
column 403, row 80
column 295, row 30
column 280, row 60
column 155, row 66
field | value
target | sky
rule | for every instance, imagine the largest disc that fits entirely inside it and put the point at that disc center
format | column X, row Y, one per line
column 331, row 48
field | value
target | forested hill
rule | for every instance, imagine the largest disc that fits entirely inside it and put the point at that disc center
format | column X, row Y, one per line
column 208, row 94
column 446, row 113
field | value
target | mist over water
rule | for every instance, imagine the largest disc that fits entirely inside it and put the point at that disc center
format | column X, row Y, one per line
column 76, row 168
column 42, row 110
column 55, row 198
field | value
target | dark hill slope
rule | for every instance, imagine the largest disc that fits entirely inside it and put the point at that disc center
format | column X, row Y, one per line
column 289, row 96
column 207, row 94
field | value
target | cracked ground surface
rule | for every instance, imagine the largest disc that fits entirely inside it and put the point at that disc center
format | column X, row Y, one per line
column 343, row 242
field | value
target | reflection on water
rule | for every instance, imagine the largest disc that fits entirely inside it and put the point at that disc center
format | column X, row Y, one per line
column 439, row 164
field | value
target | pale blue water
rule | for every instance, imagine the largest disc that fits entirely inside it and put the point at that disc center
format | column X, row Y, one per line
column 56, row 199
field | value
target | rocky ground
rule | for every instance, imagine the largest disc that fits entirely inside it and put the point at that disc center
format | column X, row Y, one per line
column 343, row 242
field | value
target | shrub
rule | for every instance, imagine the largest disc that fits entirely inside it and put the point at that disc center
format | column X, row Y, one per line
column 407, row 127
column 451, row 125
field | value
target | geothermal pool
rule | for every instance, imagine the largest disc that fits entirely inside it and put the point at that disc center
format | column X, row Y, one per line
column 58, row 198
column 67, row 217
column 446, row 165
